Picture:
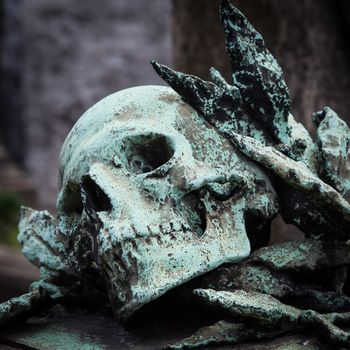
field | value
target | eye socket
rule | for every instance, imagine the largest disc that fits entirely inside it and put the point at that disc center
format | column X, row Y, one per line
column 94, row 196
column 145, row 153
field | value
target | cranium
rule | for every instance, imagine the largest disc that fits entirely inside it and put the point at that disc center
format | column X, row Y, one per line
column 168, row 193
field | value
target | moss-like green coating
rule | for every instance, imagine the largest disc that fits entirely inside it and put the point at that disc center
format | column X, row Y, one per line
column 159, row 187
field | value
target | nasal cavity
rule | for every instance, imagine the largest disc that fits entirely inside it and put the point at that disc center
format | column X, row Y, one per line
column 196, row 212
column 94, row 197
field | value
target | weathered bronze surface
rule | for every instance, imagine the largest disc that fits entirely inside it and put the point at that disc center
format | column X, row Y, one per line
column 164, row 190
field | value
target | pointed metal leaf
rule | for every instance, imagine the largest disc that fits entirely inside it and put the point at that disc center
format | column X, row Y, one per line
column 200, row 94
column 256, row 72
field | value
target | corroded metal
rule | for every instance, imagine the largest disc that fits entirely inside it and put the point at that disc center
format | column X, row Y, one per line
column 148, row 201
column 151, row 160
column 159, row 188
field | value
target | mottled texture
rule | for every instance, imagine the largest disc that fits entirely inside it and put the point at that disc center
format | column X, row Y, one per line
column 24, row 305
column 162, row 190
column 95, row 330
column 310, row 178
column 272, row 317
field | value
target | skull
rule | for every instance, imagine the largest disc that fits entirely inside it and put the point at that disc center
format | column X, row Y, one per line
column 167, row 195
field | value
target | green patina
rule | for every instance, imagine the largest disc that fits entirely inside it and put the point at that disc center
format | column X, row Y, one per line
column 160, row 187
column 57, row 339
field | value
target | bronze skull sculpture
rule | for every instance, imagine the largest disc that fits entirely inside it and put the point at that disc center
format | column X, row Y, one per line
column 147, row 169
column 159, row 186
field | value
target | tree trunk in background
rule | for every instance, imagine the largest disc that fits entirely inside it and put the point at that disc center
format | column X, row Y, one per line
column 198, row 41
column 309, row 39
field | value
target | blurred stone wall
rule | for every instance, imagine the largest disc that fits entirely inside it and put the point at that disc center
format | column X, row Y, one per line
column 76, row 52
column 11, row 70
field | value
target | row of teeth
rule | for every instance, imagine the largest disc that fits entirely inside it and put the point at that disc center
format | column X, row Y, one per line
column 155, row 231
column 130, row 245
